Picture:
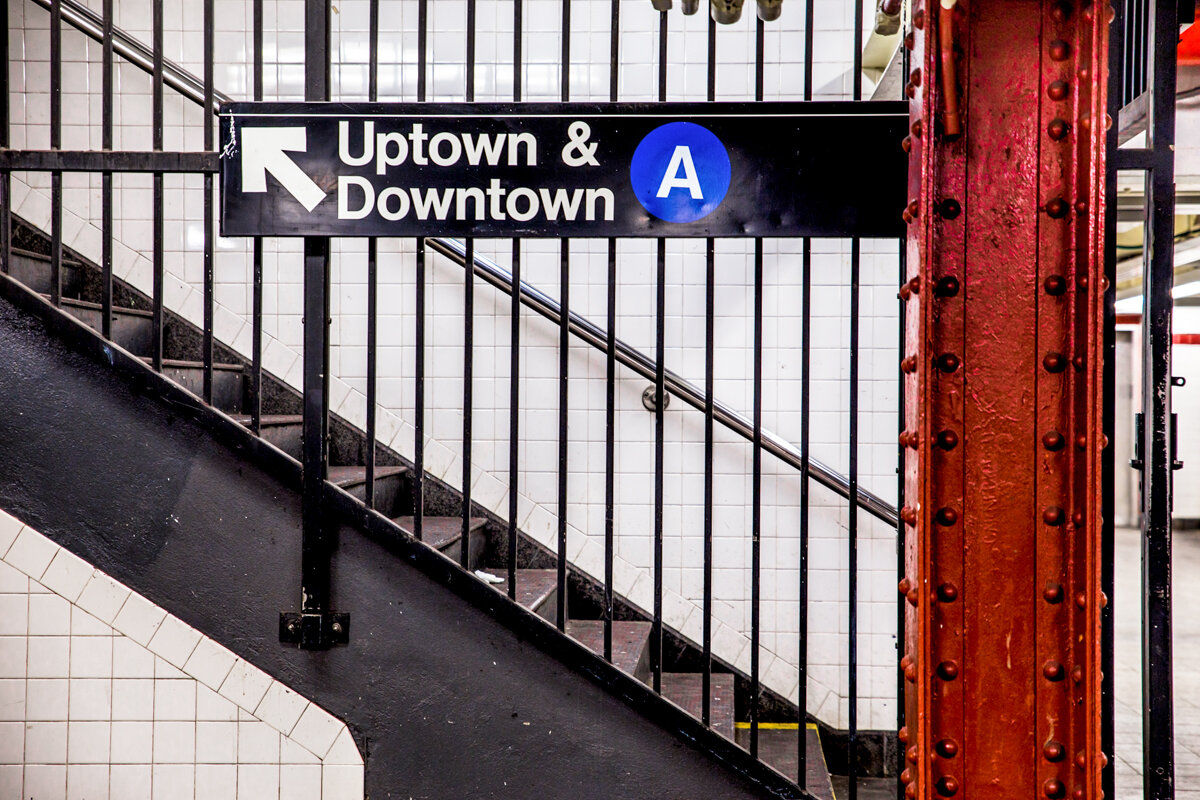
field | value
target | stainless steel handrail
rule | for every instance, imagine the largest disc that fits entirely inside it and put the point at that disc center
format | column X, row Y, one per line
column 501, row 279
column 92, row 24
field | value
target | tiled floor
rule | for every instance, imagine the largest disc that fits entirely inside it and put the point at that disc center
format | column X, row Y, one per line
column 1186, row 665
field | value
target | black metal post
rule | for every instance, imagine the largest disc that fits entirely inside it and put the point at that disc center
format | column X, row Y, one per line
column 1158, row 719
column 372, row 274
column 315, row 627
column 257, row 290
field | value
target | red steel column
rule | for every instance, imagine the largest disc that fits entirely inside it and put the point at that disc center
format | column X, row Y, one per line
column 1003, row 387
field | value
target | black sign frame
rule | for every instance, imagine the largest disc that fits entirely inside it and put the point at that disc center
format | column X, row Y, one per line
column 819, row 169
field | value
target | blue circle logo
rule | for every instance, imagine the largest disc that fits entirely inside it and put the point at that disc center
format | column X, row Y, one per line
column 680, row 172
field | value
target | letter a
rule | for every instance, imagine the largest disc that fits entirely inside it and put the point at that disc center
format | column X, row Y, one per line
column 671, row 180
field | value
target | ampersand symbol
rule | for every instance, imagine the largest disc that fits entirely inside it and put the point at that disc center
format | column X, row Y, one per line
column 579, row 151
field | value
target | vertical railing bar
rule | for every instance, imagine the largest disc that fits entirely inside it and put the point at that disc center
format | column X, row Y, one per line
column 805, row 434
column 564, row 290
column 372, row 274
column 756, row 502
column 56, row 179
column 106, row 186
column 564, row 343
column 660, row 355
column 852, row 529
column 710, row 312
column 514, row 382
column 852, row 476
column 468, row 331
column 419, row 310
column 157, row 135
column 756, row 444
column 257, row 289
column 209, row 37
column 660, row 400
column 1158, row 739
column 610, row 366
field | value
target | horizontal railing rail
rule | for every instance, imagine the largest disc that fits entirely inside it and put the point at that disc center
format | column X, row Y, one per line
column 644, row 366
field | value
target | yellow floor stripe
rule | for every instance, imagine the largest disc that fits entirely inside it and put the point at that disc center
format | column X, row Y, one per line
column 775, row 726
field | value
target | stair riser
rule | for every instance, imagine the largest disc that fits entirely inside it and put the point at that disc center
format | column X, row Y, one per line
column 548, row 610
column 35, row 274
column 132, row 331
column 228, row 386
column 288, row 439
column 478, row 550
column 389, row 490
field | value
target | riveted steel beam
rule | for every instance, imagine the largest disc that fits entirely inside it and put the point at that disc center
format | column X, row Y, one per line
column 1003, row 384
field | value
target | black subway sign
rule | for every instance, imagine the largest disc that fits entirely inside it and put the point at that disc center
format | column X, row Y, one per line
column 567, row 169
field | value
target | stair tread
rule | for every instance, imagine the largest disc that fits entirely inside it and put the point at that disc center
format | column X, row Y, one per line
column 133, row 312
column 439, row 532
column 178, row 364
column 351, row 476
column 534, row 586
column 629, row 638
column 268, row 420
column 685, row 689
column 66, row 262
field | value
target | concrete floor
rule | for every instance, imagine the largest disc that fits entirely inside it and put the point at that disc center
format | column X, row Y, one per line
column 1186, row 664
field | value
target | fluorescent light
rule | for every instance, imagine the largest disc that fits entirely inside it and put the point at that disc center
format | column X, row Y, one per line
column 1130, row 305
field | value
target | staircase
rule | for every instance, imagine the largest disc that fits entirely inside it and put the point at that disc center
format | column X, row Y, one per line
column 442, row 526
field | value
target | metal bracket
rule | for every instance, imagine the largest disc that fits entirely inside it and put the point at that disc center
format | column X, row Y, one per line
column 314, row 631
column 650, row 399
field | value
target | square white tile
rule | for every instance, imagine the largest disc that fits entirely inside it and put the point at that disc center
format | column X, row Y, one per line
column 45, row 782
column 46, row 743
column 129, row 781
column 174, row 742
column 103, row 597
column 132, row 743
column 46, row 699
column 91, row 656
column 133, row 699
column 90, row 699
column 216, row 781
column 216, row 742
column 49, row 657
column 87, row 782
column 31, row 553
column 88, row 742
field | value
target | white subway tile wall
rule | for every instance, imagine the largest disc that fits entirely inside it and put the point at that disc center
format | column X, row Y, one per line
column 89, row 710
column 684, row 322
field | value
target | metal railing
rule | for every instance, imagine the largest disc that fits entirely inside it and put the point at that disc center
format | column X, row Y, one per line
column 643, row 365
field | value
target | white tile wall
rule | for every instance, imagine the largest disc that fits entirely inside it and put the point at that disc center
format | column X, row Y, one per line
column 684, row 323
column 91, row 709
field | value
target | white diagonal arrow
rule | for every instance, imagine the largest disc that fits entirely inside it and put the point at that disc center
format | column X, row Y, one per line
column 263, row 151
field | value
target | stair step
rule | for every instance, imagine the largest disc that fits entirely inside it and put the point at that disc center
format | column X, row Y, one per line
column 132, row 328
column 685, row 689
column 445, row 534
column 778, row 748
column 630, row 643
column 537, row 590
column 33, row 270
column 228, row 381
column 389, row 485
column 285, row 431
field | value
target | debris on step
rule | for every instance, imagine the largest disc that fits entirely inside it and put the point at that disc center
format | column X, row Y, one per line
column 488, row 577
